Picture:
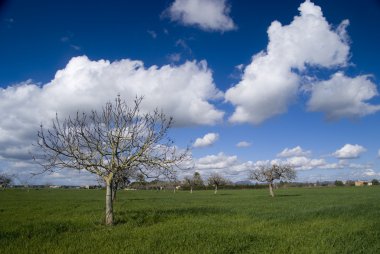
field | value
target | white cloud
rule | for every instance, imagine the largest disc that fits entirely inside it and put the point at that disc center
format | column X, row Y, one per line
column 206, row 140
column 243, row 144
column 364, row 174
column 298, row 162
column 371, row 173
column 343, row 96
column 175, row 57
column 269, row 84
column 22, row 173
column 291, row 152
column 181, row 91
column 236, row 170
column 349, row 151
column 219, row 161
column 229, row 166
column 304, row 163
column 208, row 15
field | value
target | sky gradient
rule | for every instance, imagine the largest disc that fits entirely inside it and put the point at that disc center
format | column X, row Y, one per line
column 246, row 82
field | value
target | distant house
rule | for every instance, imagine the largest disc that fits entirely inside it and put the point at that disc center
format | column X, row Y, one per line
column 361, row 183
column 369, row 183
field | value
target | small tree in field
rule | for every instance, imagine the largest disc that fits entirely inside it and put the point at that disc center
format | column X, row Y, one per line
column 217, row 180
column 189, row 182
column 375, row 182
column 115, row 144
column 197, row 180
column 270, row 173
column 5, row 181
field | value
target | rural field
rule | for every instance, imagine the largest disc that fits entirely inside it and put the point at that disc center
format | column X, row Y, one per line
column 297, row 220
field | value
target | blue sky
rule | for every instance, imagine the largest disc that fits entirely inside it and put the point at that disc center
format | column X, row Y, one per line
column 312, row 90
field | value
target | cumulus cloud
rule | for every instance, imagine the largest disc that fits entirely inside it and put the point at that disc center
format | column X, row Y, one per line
column 208, row 15
column 22, row 173
column 349, row 151
column 364, row 174
column 298, row 162
column 232, row 167
column 226, row 165
column 269, row 83
column 243, row 144
column 206, row 140
column 235, row 169
column 342, row 96
column 182, row 91
column 304, row 163
column 292, row 152
column 219, row 161
column 370, row 173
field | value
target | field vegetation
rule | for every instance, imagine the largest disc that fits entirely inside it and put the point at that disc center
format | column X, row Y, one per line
column 297, row 220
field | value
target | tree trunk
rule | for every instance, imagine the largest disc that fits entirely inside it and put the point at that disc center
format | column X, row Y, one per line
column 271, row 189
column 109, row 203
column 191, row 189
column 114, row 189
column 216, row 189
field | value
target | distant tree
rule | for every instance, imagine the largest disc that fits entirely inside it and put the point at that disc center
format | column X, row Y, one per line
column 338, row 183
column 112, row 144
column 140, row 178
column 189, row 182
column 175, row 183
column 375, row 182
column 217, row 180
column 271, row 173
column 5, row 181
column 197, row 179
column 194, row 181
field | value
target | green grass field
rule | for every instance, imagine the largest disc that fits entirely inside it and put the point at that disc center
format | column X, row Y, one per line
column 298, row 220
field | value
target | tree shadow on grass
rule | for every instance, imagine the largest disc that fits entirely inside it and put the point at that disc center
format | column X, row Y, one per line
column 47, row 230
column 147, row 218
column 287, row 195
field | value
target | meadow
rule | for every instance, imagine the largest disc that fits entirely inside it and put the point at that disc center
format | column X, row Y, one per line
column 297, row 220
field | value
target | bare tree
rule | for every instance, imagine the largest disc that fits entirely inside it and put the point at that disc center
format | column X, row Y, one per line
column 270, row 173
column 23, row 180
column 5, row 181
column 197, row 179
column 217, row 180
column 189, row 181
column 113, row 144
